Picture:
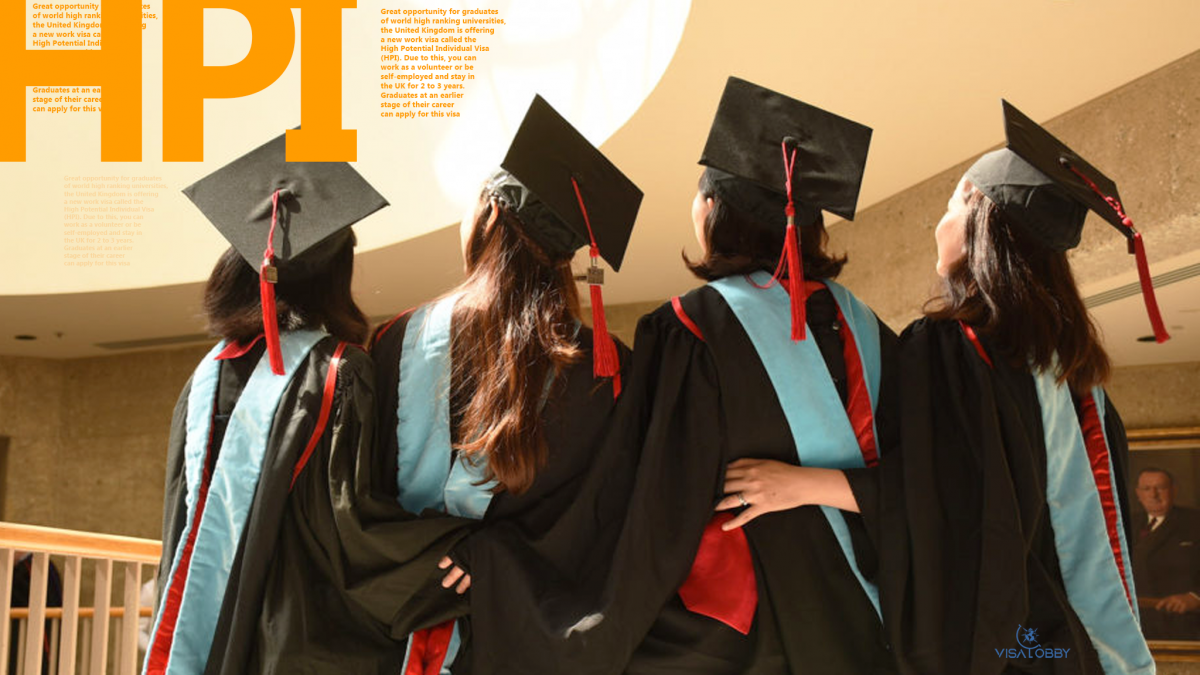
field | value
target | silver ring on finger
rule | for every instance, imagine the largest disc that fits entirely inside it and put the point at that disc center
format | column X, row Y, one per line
column 742, row 498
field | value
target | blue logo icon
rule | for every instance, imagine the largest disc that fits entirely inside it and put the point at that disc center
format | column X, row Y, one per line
column 1027, row 637
column 1028, row 647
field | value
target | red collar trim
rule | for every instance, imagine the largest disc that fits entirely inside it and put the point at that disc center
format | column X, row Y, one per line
column 236, row 350
column 970, row 333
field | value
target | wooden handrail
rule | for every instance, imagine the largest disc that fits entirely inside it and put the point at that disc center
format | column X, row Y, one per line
column 84, row 612
column 72, row 542
column 1163, row 434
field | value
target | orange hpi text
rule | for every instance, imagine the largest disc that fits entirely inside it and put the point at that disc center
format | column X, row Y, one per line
column 117, row 68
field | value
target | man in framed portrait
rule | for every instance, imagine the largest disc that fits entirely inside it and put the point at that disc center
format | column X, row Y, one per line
column 1166, row 559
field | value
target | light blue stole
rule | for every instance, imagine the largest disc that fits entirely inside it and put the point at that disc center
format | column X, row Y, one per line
column 1086, row 559
column 230, row 493
column 822, row 432
column 428, row 475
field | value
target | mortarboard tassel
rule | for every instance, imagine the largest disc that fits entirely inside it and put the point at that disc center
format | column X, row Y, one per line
column 1138, row 248
column 791, row 250
column 268, row 275
column 789, row 258
column 604, row 352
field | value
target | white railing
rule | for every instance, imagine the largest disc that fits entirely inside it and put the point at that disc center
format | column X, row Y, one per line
column 71, row 639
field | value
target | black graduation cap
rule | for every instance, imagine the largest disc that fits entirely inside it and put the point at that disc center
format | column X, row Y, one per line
column 746, row 141
column 1043, row 186
column 1046, row 188
column 545, row 155
column 783, row 161
column 318, row 202
column 285, row 218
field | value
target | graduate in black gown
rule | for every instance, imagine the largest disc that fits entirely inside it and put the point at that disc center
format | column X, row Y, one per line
column 279, row 546
column 1003, row 528
column 493, row 400
column 799, row 371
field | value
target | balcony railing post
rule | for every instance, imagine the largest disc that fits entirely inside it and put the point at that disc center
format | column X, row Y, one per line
column 35, row 636
column 70, row 621
column 22, row 654
column 100, row 620
column 6, row 575
column 55, row 625
column 129, row 622
column 85, row 638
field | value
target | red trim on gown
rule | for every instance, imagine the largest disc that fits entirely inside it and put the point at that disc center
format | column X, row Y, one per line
column 379, row 332
column 323, row 417
column 858, row 397
column 685, row 319
column 970, row 333
column 1097, row 449
column 427, row 649
column 236, row 350
column 721, row 584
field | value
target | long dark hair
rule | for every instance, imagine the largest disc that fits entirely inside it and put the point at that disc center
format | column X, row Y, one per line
column 738, row 244
column 514, row 329
column 1022, row 296
column 322, row 300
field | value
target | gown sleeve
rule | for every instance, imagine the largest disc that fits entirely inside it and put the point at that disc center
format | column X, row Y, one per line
column 378, row 559
column 589, row 589
column 383, row 557
column 925, row 509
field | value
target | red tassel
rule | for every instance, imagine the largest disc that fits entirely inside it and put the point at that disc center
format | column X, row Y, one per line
column 266, row 290
column 1138, row 248
column 270, row 321
column 796, row 289
column 791, row 252
column 604, row 351
column 1143, row 266
column 605, row 362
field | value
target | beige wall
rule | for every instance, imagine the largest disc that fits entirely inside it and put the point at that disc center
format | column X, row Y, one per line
column 1151, row 397
column 1146, row 134
column 87, row 439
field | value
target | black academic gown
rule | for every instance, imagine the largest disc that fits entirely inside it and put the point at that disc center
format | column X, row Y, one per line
column 317, row 584
column 813, row 616
column 531, row 542
column 1166, row 561
column 967, row 551
column 689, row 407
